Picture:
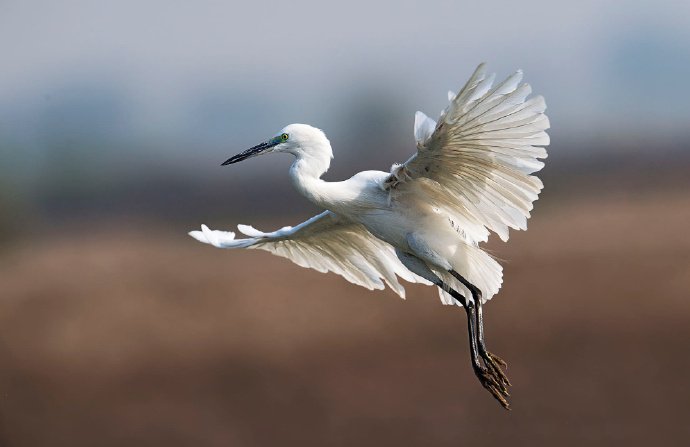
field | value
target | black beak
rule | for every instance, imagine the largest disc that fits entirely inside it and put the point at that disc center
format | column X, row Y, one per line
column 251, row 152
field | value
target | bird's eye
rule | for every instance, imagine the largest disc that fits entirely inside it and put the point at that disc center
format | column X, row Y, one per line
column 284, row 137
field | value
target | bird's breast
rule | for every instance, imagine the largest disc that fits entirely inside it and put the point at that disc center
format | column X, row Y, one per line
column 387, row 225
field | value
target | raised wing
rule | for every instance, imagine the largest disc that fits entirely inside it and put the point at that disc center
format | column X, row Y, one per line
column 324, row 243
column 476, row 162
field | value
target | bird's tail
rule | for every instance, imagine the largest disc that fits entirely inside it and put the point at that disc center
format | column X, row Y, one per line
column 479, row 268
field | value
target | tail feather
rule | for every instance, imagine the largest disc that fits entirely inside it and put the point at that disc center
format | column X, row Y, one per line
column 479, row 268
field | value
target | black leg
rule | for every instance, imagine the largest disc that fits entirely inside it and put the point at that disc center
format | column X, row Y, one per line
column 492, row 361
column 471, row 327
column 486, row 377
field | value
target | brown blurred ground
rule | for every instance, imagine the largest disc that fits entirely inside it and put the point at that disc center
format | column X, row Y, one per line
column 124, row 335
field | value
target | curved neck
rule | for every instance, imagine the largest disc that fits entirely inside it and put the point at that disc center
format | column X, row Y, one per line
column 305, row 174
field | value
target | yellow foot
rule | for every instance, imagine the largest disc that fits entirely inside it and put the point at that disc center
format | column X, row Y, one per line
column 493, row 364
column 497, row 390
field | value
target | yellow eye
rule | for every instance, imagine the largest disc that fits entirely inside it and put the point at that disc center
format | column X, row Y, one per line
column 284, row 137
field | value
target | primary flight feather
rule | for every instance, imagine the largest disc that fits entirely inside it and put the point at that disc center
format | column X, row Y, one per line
column 422, row 221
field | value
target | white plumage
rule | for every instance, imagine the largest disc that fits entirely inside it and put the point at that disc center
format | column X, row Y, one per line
column 424, row 220
column 473, row 168
column 325, row 243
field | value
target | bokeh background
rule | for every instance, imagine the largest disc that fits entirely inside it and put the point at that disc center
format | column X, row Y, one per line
column 118, row 329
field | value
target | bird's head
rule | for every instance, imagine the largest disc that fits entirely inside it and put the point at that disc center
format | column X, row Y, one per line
column 300, row 140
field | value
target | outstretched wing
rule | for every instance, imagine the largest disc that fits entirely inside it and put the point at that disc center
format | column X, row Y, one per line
column 476, row 162
column 324, row 243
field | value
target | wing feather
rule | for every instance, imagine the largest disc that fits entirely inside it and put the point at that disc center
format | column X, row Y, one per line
column 478, row 161
column 324, row 243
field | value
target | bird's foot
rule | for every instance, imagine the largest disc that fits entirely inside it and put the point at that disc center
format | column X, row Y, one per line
column 497, row 390
column 495, row 365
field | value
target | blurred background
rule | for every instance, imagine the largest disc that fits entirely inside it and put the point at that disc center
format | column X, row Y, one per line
column 116, row 328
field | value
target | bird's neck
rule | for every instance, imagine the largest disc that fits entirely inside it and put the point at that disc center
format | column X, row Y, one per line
column 306, row 173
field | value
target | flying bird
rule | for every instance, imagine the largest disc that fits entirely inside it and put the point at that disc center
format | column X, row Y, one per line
column 424, row 220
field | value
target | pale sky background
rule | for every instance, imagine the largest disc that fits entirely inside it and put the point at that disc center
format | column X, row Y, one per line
column 211, row 77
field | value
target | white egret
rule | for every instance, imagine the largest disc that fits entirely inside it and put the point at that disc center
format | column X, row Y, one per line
column 424, row 220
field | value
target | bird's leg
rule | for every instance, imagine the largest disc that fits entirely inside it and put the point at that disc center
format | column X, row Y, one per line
column 486, row 377
column 492, row 361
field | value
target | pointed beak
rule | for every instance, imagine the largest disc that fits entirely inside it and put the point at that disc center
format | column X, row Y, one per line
column 249, row 153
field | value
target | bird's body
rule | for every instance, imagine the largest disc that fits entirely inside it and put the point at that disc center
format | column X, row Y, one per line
column 396, row 216
column 424, row 220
